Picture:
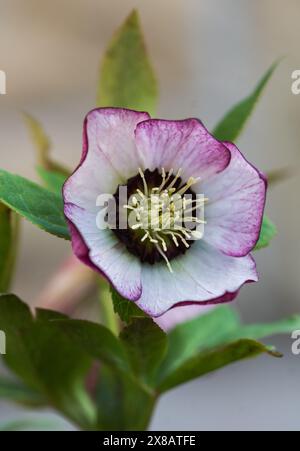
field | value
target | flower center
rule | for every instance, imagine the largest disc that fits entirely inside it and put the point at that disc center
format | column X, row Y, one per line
column 161, row 215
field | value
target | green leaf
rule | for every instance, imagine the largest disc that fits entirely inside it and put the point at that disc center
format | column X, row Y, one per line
column 52, row 180
column 123, row 403
column 9, row 227
column 281, row 175
column 13, row 390
column 257, row 331
column 40, row 139
column 146, row 344
column 215, row 329
column 97, row 341
column 201, row 333
column 127, row 310
column 230, row 127
column 31, row 424
column 35, row 203
column 268, row 231
column 49, row 315
column 127, row 79
column 213, row 360
column 43, row 146
column 46, row 360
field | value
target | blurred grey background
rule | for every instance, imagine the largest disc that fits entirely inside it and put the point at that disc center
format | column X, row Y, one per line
column 207, row 54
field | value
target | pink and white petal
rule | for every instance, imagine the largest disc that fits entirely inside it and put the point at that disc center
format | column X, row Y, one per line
column 94, row 177
column 102, row 251
column 235, row 208
column 122, row 269
column 111, row 131
column 203, row 275
column 109, row 156
column 184, row 144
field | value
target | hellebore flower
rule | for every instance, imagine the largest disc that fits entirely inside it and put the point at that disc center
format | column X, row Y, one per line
column 161, row 263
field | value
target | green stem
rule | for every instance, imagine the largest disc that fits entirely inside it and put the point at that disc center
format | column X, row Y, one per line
column 110, row 318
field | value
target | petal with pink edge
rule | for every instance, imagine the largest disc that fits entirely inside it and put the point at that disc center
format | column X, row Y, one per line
column 109, row 155
column 234, row 212
column 203, row 275
column 111, row 132
column 185, row 145
column 102, row 251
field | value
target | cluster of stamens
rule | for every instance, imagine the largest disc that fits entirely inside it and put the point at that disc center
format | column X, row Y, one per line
column 161, row 213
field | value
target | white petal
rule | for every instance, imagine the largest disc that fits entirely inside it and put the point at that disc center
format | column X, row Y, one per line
column 109, row 156
column 107, row 254
column 182, row 144
column 235, row 208
column 203, row 274
column 110, row 131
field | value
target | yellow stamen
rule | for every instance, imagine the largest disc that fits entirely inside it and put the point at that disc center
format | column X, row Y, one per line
column 160, row 211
